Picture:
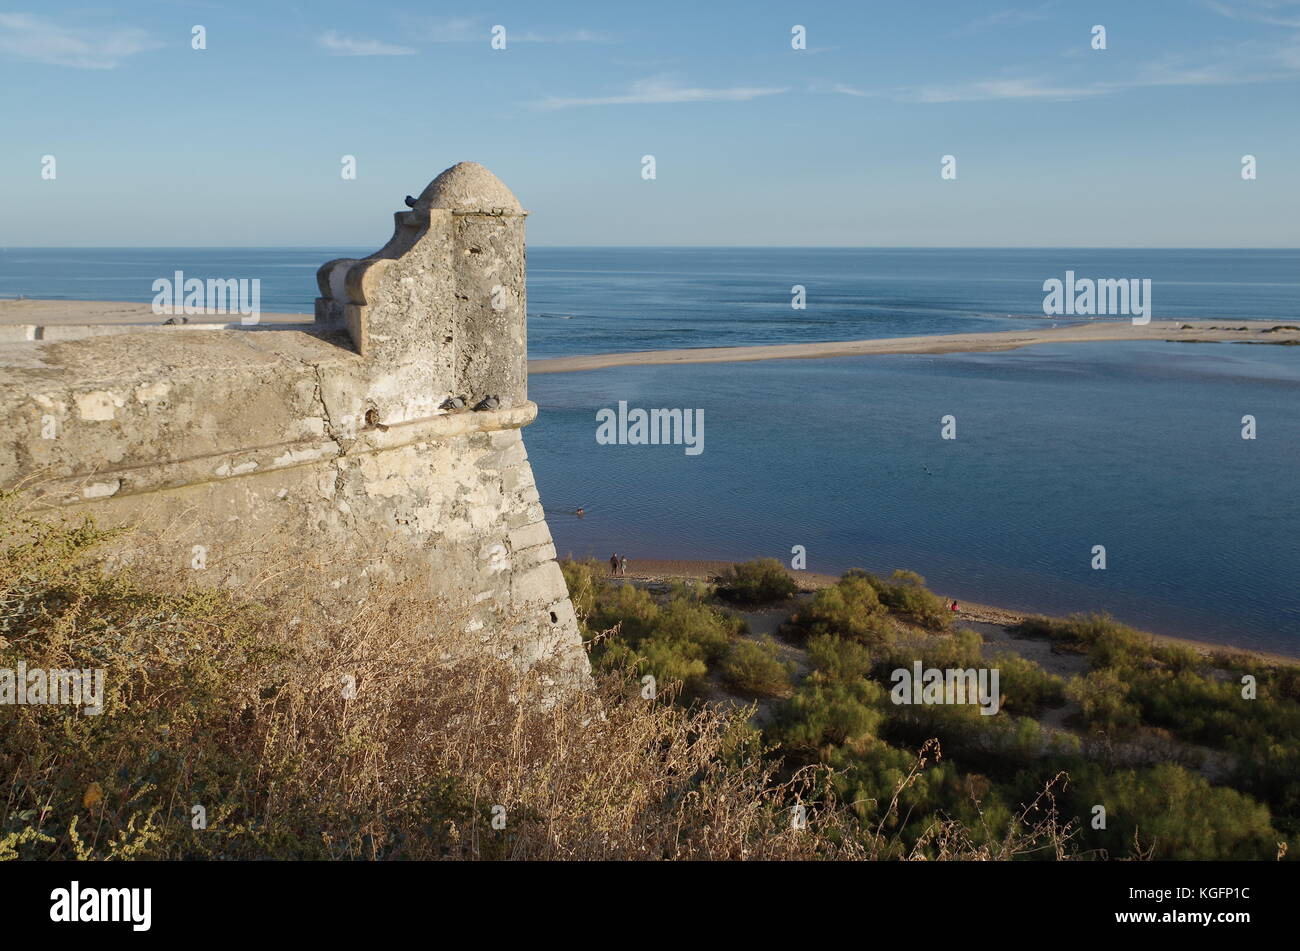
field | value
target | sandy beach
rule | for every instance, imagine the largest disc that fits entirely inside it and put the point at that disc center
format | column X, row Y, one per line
column 1196, row 331
column 71, row 313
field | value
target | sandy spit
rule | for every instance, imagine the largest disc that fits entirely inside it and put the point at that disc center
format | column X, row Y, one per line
column 1196, row 331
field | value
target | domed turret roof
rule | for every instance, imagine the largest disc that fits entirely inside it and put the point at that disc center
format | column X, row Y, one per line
column 468, row 186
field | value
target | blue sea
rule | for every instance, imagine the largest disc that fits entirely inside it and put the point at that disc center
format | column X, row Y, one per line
column 1133, row 446
column 603, row 300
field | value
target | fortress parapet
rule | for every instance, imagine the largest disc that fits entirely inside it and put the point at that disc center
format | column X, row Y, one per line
column 339, row 448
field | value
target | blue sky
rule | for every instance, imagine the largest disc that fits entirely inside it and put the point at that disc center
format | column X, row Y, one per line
column 755, row 143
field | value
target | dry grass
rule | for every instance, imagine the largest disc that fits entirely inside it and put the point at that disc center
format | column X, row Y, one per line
column 245, row 710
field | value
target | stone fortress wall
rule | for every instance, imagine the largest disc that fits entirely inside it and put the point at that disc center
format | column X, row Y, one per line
column 337, row 445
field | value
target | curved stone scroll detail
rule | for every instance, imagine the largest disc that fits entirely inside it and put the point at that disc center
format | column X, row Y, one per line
column 447, row 290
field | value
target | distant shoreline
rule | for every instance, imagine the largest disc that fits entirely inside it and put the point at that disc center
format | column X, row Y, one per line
column 660, row 570
column 123, row 317
column 1185, row 331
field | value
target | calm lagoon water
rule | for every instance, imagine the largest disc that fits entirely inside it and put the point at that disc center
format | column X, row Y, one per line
column 1136, row 447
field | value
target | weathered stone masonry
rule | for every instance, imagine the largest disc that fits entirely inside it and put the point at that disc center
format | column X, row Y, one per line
column 328, row 444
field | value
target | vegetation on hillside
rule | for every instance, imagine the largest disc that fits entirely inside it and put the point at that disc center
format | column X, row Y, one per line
column 1159, row 737
column 232, row 730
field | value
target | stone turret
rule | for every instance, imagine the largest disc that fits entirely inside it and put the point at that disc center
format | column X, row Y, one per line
column 446, row 292
column 328, row 452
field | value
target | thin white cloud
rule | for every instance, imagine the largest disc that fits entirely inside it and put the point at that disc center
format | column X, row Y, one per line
column 1262, row 60
column 573, row 36
column 1009, row 17
column 30, row 37
column 1002, row 89
column 1250, row 63
column 464, row 30
column 454, row 31
column 649, row 91
column 847, row 90
column 981, row 91
column 1273, row 12
column 341, row 45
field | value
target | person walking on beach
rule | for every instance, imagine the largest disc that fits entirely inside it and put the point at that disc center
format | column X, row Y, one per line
column 613, row 564
column 622, row 565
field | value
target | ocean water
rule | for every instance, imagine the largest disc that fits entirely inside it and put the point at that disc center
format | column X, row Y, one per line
column 1134, row 446
column 624, row 299
column 602, row 300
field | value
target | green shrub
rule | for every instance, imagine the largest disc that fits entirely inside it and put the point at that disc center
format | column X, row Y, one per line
column 825, row 713
column 1106, row 642
column 1167, row 812
column 1103, row 695
column 905, row 593
column 691, row 622
column 675, row 642
column 890, row 789
column 960, row 650
column 756, row 668
column 586, row 583
column 674, row 662
column 1026, row 688
column 756, row 582
column 691, row 590
column 629, row 606
column 1176, row 657
column 837, row 658
column 849, row 608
